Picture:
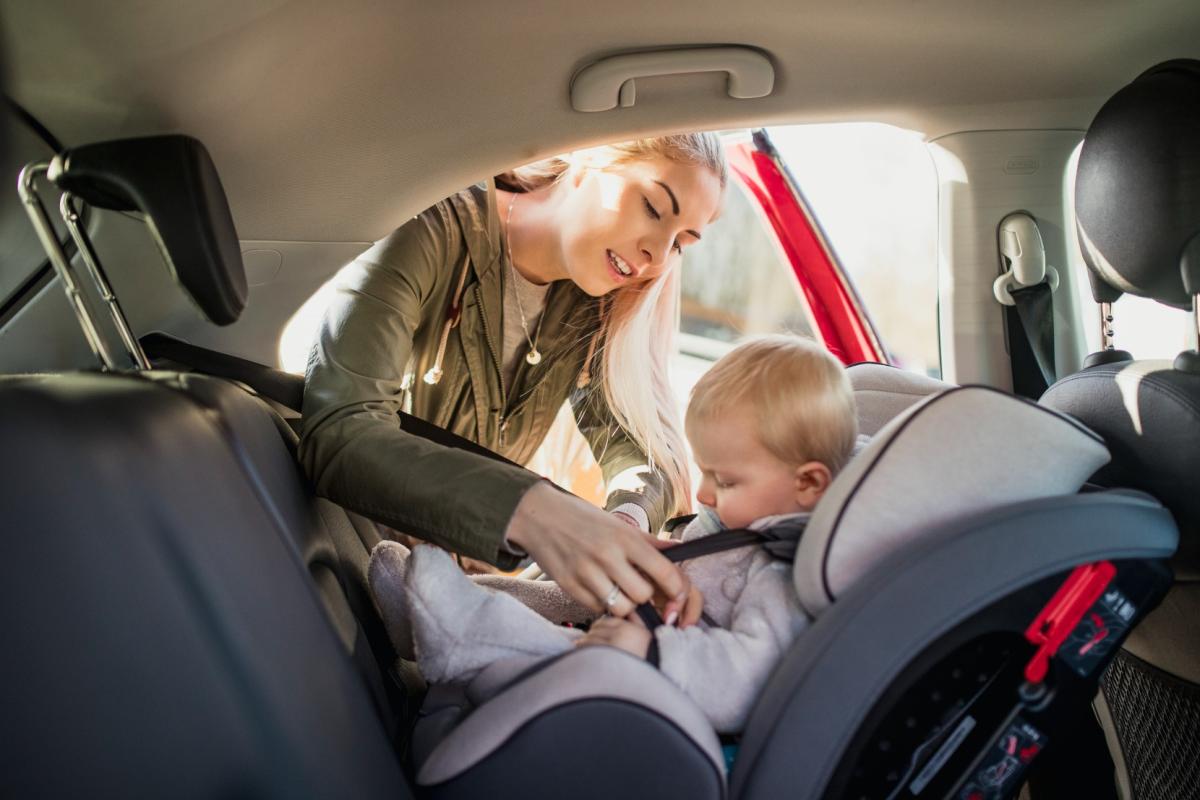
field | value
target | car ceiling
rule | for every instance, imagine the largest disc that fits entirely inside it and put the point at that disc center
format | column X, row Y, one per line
column 333, row 121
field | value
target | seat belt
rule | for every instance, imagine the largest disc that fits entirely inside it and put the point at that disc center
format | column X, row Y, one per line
column 1026, row 288
column 1031, row 340
column 284, row 387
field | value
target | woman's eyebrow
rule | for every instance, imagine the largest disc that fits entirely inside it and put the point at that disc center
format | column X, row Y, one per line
column 674, row 202
column 675, row 206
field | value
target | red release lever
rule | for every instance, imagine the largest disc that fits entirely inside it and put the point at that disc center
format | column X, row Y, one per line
column 1055, row 622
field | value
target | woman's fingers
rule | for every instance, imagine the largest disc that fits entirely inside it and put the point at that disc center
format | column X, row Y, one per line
column 692, row 609
column 589, row 552
column 661, row 572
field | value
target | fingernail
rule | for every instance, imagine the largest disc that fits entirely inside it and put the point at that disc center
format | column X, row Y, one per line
column 670, row 620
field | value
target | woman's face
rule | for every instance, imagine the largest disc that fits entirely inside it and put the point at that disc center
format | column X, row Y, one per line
column 628, row 224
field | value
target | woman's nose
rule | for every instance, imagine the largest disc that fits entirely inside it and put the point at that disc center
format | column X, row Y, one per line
column 654, row 254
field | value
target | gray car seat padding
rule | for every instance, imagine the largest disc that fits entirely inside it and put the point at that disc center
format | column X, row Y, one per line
column 591, row 673
column 835, row 673
column 882, row 391
column 611, row 749
column 957, row 453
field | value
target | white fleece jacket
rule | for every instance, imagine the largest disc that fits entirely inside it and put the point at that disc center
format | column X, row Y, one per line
column 455, row 626
column 750, row 597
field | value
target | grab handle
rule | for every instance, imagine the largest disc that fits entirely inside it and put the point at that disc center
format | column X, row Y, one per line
column 609, row 82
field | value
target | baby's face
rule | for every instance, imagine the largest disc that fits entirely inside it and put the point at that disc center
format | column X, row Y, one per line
column 739, row 478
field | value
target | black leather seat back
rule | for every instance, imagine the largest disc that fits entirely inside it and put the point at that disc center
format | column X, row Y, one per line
column 1137, row 200
column 162, row 636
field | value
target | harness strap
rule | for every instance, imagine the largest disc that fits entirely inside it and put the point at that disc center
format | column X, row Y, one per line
column 718, row 542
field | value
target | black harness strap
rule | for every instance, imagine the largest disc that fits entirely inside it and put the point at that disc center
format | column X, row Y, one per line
column 780, row 541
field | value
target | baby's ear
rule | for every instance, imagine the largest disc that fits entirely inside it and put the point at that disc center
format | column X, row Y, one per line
column 812, row 479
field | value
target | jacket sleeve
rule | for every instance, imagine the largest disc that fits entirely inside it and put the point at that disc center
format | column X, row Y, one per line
column 724, row 671
column 351, row 444
column 627, row 474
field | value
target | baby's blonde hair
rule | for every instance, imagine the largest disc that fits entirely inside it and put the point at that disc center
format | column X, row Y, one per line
column 798, row 391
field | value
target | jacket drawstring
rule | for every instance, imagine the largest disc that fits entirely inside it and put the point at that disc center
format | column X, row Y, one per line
column 453, row 317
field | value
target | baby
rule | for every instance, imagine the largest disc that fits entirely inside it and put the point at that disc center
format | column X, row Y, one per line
column 770, row 425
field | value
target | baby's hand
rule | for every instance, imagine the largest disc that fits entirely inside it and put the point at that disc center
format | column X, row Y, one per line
column 632, row 637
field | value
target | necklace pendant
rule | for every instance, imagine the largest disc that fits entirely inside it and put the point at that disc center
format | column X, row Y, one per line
column 533, row 357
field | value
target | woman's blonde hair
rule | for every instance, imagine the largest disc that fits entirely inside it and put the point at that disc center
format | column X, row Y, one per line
column 640, row 322
column 799, row 393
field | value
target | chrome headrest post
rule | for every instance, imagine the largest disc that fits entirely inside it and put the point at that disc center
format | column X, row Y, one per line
column 71, row 216
column 58, row 258
column 1106, row 326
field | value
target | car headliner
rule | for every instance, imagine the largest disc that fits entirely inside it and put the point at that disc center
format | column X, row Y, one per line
column 331, row 121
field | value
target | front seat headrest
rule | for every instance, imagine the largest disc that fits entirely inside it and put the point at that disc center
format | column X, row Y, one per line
column 171, row 179
column 1137, row 191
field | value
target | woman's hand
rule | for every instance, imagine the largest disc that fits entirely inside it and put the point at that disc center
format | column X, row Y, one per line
column 632, row 637
column 588, row 552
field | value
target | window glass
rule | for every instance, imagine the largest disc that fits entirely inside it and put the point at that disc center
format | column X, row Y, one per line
column 735, row 283
column 21, row 254
column 873, row 190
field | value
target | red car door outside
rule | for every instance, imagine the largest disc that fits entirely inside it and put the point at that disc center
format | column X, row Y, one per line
column 841, row 319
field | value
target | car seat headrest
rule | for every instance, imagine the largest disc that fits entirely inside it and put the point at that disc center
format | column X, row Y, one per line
column 170, row 179
column 962, row 452
column 881, row 392
column 1137, row 190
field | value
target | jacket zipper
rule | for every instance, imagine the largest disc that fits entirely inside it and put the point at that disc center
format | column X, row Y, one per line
column 501, row 417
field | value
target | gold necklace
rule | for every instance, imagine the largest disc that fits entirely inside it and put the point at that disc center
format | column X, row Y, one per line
column 533, row 356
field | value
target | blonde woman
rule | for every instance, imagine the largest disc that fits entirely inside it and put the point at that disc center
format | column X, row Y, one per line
column 485, row 313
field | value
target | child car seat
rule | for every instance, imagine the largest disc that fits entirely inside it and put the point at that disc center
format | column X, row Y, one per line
column 925, row 569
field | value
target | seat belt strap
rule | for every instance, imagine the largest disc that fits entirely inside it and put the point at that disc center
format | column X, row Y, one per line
column 718, row 542
column 1031, row 346
column 285, row 388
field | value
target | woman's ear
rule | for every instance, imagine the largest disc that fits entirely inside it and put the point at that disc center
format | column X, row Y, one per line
column 812, row 479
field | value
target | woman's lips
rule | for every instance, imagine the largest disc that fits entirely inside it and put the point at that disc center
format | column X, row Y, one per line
column 614, row 270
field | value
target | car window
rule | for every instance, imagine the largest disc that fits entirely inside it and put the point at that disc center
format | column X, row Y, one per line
column 735, row 283
column 873, row 190
column 21, row 256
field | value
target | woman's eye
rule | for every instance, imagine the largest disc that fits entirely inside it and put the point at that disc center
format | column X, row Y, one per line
column 650, row 210
column 677, row 247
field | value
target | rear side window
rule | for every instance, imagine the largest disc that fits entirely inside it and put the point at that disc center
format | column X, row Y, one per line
column 873, row 190
column 23, row 265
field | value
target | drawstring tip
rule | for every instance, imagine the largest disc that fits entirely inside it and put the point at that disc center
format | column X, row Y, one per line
column 433, row 376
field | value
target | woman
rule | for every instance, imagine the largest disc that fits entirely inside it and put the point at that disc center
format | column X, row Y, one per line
column 485, row 313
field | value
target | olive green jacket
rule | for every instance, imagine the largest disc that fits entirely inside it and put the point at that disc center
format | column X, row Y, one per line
column 385, row 323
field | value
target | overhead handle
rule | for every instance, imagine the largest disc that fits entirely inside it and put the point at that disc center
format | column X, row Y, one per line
column 609, row 82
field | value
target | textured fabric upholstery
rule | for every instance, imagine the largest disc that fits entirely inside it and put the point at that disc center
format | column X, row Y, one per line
column 964, row 451
column 881, row 392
